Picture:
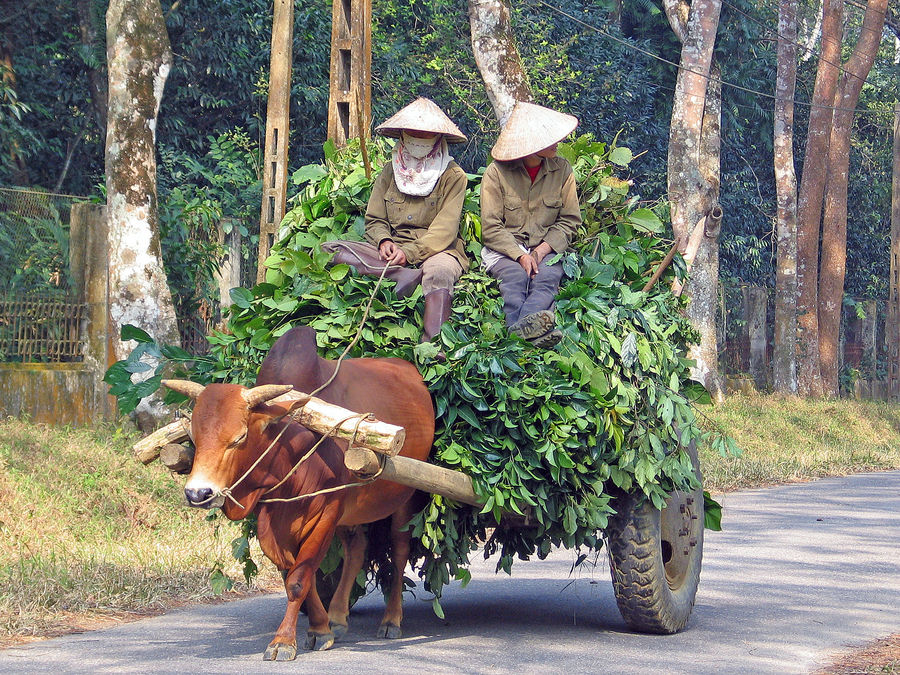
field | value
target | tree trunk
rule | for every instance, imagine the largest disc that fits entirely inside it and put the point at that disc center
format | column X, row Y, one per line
column 19, row 167
column 693, row 180
column 91, row 39
column 812, row 35
column 139, row 59
column 834, row 224
column 809, row 201
column 496, row 56
column 784, row 364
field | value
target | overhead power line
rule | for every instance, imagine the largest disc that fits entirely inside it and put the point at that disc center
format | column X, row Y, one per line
column 662, row 59
column 774, row 31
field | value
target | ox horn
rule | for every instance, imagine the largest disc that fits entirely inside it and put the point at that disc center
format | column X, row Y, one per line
column 263, row 393
column 186, row 387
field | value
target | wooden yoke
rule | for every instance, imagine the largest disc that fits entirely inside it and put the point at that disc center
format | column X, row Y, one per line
column 316, row 415
column 372, row 436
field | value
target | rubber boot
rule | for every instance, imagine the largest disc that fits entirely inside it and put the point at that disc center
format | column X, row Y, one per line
column 437, row 311
column 363, row 261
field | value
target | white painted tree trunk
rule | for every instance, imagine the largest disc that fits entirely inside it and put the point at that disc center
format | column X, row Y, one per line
column 139, row 59
column 693, row 176
column 784, row 361
column 496, row 56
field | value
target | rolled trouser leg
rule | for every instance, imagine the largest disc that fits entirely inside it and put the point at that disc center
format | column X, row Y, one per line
column 442, row 270
column 513, row 287
column 543, row 289
column 364, row 257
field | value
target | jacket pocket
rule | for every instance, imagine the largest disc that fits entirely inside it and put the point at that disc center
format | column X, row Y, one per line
column 553, row 202
column 397, row 209
column 513, row 213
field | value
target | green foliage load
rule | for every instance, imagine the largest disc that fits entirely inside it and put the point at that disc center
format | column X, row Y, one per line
column 552, row 433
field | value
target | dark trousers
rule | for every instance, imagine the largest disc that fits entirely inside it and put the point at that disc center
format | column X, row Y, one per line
column 523, row 295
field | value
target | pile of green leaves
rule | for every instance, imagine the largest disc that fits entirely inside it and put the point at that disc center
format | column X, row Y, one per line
column 551, row 433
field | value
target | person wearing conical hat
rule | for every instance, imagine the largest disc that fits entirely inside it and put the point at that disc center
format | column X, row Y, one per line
column 529, row 213
column 412, row 218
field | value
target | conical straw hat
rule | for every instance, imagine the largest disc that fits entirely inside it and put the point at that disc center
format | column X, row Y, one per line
column 422, row 115
column 529, row 129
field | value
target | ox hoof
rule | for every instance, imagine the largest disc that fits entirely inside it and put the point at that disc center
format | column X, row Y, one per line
column 278, row 651
column 319, row 641
column 339, row 629
column 389, row 631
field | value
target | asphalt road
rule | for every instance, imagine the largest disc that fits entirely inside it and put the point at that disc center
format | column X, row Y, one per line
column 799, row 573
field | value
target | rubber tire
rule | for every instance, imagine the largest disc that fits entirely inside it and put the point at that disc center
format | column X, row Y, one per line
column 641, row 542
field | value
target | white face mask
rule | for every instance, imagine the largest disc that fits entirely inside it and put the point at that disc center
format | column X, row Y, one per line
column 417, row 147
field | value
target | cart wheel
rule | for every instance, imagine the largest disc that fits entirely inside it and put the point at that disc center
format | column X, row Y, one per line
column 655, row 558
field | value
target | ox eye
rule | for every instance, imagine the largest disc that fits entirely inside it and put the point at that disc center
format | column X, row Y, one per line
column 238, row 440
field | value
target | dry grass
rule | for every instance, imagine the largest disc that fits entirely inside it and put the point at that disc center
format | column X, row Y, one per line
column 87, row 531
column 881, row 657
column 786, row 439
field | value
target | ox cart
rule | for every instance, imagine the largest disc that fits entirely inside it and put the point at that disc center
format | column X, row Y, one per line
column 654, row 555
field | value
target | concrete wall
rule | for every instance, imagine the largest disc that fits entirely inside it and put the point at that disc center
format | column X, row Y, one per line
column 71, row 393
column 53, row 393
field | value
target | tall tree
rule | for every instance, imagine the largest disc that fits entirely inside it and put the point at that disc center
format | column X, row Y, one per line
column 90, row 22
column 18, row 167
column 693, row 173
column 809, row 201
column 496, row 56
column 139, row 59
column 784, row 364
column 834, row 224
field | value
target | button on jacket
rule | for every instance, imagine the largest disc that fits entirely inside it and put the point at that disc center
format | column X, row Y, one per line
column 515, row 211
column 420, row 226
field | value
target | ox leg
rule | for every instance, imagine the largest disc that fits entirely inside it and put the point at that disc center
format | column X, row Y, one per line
column 400, row 539
column 300, row 586
column 354, row 543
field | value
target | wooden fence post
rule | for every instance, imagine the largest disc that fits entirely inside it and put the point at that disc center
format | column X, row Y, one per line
column 869, row 336
column 892, row 326
column 228, row 275
column 89, row 265
column 756, row 300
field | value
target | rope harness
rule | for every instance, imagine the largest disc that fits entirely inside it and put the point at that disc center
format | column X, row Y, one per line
column 227, row 492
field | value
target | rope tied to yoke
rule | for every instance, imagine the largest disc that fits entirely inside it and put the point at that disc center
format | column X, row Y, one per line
column 227, row 492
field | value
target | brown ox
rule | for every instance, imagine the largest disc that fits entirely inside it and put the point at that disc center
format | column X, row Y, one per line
column 232, row 426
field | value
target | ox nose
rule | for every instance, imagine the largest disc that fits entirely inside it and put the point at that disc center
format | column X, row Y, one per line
column 201, row 496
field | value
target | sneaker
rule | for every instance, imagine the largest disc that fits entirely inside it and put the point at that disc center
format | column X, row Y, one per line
column 548, row 339
column 534, row 325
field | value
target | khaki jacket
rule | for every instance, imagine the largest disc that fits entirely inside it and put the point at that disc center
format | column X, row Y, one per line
column 421, row 226
column 515, row 211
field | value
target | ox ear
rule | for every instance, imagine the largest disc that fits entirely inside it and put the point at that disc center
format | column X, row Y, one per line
column 186, row 387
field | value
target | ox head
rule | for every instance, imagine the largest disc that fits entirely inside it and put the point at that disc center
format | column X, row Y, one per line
column 228, row 427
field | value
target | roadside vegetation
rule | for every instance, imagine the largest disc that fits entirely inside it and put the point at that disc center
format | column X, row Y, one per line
column 91, row 536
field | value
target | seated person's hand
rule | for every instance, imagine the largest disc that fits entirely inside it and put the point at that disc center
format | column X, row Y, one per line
column 529, row 264
column 391, row 253
column 540, row 252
